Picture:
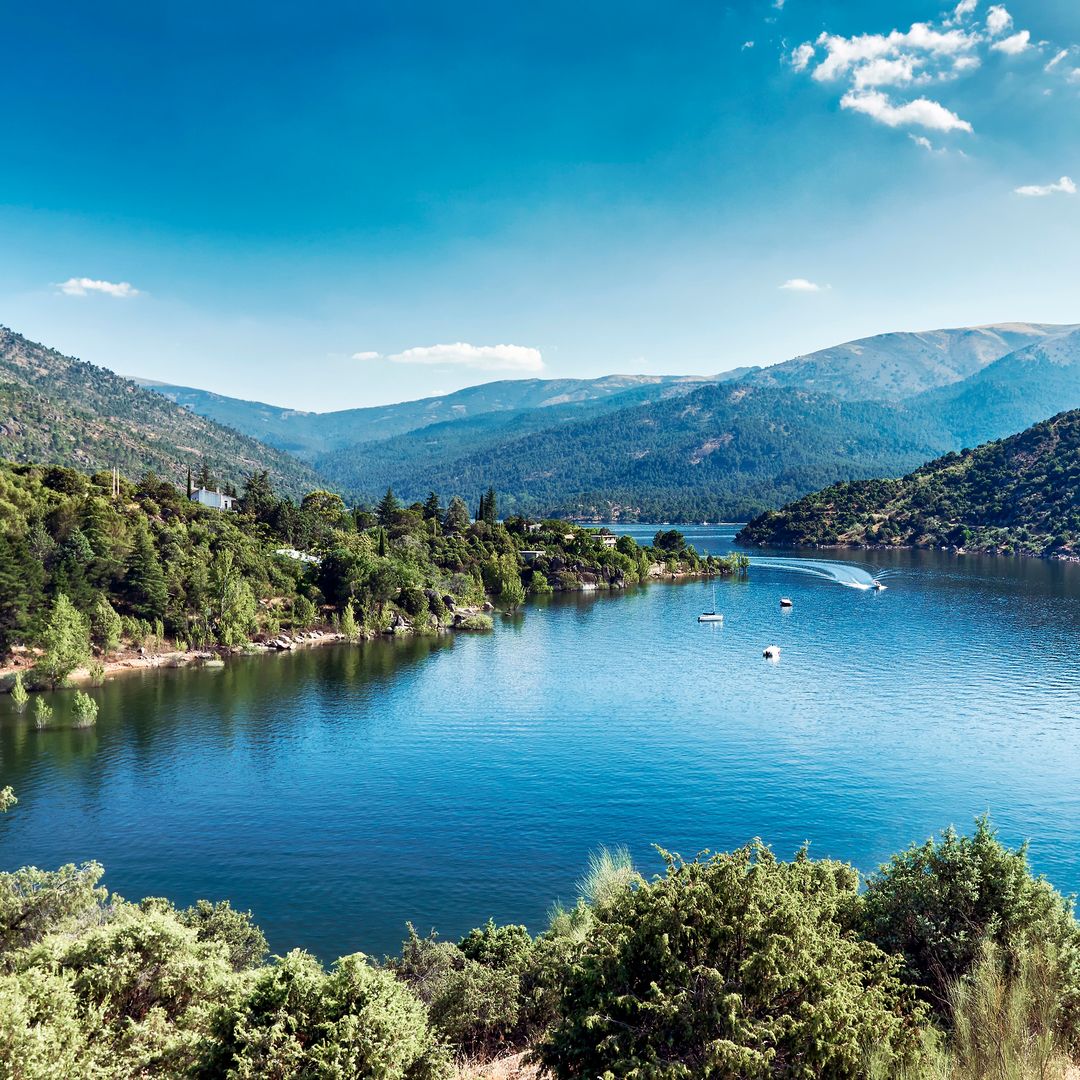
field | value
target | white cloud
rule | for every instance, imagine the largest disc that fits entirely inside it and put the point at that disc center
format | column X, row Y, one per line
column 882, row 72
column 923, row 141
column 801, row 57
column 922, row 112
column 366, row 355
column 482, row 357
column 1056, row 60
column 1064, row 186
column 998, row 20
column 1074, row 75
column 800, row 284
column 964, row 9
column 1014, row 45
column 779, row 4
column 81, row 286
column 845, row 54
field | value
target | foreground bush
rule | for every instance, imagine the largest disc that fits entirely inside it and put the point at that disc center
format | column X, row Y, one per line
column 738, row 966
column 938, row 903
column 298, row 1021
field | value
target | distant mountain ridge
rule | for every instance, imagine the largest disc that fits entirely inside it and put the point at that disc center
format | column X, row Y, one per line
column 671, row 446
column 897, row 366
column 308, row 434
column 59, row 410
column 1019, row 495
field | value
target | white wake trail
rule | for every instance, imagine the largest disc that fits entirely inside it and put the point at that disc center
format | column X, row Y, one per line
column 851, row 577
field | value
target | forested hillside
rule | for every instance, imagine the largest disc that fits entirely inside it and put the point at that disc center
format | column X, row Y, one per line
column 1019, row 495
column 54, row 408
column 724, row 451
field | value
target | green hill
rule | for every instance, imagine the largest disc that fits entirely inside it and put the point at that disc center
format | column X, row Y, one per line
column 59, row 410
column 1019, row 495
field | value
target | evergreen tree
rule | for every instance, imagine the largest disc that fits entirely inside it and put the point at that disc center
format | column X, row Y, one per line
column 258, row 498
column 105, row 626
column 457, row 515
column 203, row 477
column 145, row 582
column 433, row 510
column 14, row 593
column 490, row 513
column 388, row 509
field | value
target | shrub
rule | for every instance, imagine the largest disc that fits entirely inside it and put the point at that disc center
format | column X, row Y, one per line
column 19, row 696
column 472, row 1004
column 349, row 628
column 735, row 966
column 476, row 622
column 936, row 903
column 303, row 613
column 43, row 712
column 297, row 1020
column 244, row 942
column 413, row 601
column 65, row 641
column 85, row 709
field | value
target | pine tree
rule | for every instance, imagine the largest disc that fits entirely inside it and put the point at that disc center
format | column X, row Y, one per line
column 145, row 582
column 433, row 511
column 203, row 478
column 388, row 508
column 491, row 511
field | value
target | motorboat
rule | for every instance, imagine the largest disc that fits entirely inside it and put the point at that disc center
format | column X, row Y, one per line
column 771, row 652
column 710, row 616
column 785, row 601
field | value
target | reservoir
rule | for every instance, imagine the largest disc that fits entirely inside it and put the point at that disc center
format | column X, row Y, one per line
column 339, row 792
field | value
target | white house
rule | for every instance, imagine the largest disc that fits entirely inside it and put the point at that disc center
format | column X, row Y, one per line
column 214, row 499
column 608, row 541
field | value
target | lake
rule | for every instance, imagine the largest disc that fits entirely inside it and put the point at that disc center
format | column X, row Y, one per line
column 338, row 792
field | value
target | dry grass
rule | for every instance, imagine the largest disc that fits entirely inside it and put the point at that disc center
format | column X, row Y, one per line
column 509, row 1068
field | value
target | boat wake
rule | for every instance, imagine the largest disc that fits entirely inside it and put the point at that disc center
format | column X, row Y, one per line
column 851, row 577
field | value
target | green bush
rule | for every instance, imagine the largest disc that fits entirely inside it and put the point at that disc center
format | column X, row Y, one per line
column 936, row 903
column 19, row 696
column 84, row 709
column 474, row 1005
column 739, row 966
column 296, row 1020
column 477, row 622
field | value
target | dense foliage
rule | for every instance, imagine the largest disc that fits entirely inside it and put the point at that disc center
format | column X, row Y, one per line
column 82, row 570
column 1019, row 495
column 738, row 965
column 60, row 410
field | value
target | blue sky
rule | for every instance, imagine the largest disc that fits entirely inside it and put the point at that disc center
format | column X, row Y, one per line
column 341, row 204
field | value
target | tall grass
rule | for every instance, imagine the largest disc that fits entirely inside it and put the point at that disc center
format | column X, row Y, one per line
column 610, row 873
column 1005, row 1023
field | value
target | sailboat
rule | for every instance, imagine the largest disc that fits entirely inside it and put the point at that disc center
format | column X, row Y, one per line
column 711, row 616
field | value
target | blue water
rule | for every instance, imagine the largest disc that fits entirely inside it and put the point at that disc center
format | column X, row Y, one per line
column 338, row 792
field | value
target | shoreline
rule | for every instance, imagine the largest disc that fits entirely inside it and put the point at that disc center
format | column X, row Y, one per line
column 133, row 660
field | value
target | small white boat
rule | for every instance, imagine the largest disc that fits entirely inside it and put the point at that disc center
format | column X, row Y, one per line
column 711, row 616
column 771, row 652
column 877, row 586
column 785, row 601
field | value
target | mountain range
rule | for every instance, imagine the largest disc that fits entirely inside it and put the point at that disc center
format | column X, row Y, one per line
column 688, row 447
column 623, row 446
